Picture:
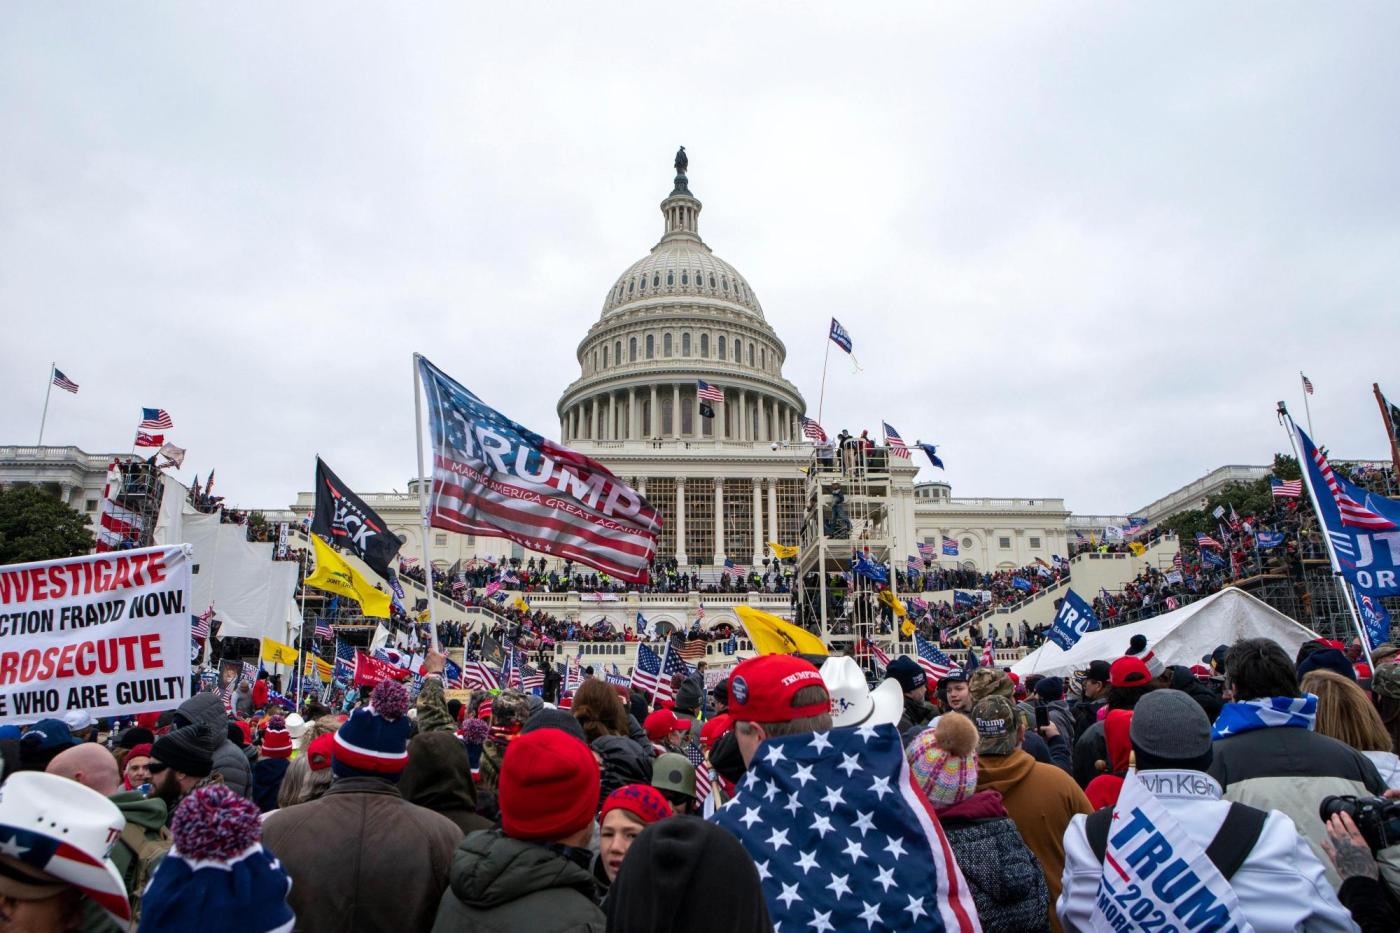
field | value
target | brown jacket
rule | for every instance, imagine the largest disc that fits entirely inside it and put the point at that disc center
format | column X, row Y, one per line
column 1041, row 799
column 363, row 858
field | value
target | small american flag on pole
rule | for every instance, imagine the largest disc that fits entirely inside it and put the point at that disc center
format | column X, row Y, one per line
column 813, row 431
column 935, row 663
column 478, row 675
column 732, row 569
column 63, row 382
column 1307, row 384
column 895, row 442
column 925, row 550
column 708, row 393
column 155, row 419
column 1285, row 489
column 200, row 628
column 323, row 629
column 878, row 653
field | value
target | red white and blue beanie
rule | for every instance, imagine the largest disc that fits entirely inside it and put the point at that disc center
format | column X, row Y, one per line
column 217, row 878
column 374, row 740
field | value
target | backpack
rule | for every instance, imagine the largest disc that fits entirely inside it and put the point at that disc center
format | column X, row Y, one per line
column 1227, row 851
column 146, row 855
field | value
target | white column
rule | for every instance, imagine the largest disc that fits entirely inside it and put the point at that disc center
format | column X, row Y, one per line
column 773, row 513
column 593, row 409
column 680, row 521
column 696, row 430
column 633, row 422
column 654, row 416
column 719, row 521
column 740, row 427
column 761, row 434
column 676, row 411
column 757, row 520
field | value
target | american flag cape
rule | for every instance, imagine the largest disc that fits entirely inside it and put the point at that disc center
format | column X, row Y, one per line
column 843, row 839
column 494, row 477
column 935, row 663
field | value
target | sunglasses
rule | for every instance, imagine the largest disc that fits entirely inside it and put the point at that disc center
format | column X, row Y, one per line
column 155, row 767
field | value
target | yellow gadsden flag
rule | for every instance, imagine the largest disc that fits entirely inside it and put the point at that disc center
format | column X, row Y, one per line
column 771, row 635
column 890, row 600
column 278, row 653
column 782, row 551
column 1137, row 547
column 334, row 575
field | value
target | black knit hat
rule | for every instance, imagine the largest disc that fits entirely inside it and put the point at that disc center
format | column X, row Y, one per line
column 554, row 719
column 671, row 860
column 187, row 749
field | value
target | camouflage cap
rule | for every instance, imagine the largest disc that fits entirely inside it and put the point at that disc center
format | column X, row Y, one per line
column 509, row 706
column 988, row 681
column 1384, row 652
column 1385, row 681
column 997, row 726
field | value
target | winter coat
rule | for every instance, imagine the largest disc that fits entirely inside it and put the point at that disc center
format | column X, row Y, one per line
column 1085, row 713
column 1280, row 886
column 1007, row 884
column 1388, row 766
column 1041, row 799
column 504, row 884
column 260, row 694
column 624, row 762
column 917, row 715
column 362, row 858
column 1059, row 716
column 229, row 759
column 1292, row 769
column 267, row 781
column 1090, row 749
column 439, row 778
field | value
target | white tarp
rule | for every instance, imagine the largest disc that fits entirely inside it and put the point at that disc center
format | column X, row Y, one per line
column 247, row 588
column 1181, row 636
column 170, row 525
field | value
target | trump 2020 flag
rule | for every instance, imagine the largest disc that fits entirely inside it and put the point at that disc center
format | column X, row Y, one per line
column 1375, row 618
column 843, row 839
column 1072, row 621
column 492, row 476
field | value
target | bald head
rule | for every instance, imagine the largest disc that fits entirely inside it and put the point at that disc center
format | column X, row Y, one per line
column 90, row 765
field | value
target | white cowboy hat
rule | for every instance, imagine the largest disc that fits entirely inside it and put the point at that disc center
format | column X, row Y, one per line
column 65, row 830
column 296, row 726
column 855, row 704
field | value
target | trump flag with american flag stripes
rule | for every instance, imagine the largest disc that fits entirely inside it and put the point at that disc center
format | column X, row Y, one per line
column 494, row 477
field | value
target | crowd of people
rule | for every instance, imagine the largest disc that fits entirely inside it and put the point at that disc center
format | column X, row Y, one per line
column 767, row 801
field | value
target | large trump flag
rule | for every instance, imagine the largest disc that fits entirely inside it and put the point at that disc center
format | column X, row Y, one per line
column 492, row 476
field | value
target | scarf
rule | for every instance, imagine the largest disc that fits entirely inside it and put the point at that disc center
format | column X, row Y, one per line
column 1268, row 713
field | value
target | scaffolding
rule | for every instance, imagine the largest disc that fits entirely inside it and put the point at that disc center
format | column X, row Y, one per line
column 847, row 511
column 131, row 505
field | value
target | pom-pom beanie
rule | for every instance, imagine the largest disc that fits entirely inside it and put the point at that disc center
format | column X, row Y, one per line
column 943, row 760
column 277, row 741
column 548, row 786
column 374, row 740
column 217, row 877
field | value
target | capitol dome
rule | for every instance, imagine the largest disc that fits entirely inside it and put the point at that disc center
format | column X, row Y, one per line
column 677, row 317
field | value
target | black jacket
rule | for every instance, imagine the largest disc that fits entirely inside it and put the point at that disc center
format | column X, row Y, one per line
column 502, row 884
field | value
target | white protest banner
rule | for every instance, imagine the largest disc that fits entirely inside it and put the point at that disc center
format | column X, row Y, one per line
column 107, row 633
column 1155, row 876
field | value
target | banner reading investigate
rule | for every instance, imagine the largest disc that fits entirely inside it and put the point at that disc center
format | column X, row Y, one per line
column 108, row 633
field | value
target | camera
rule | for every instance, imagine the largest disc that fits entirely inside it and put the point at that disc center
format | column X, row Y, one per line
column 1378, row 819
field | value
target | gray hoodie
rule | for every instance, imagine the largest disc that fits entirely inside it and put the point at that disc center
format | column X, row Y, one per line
column 229, row 760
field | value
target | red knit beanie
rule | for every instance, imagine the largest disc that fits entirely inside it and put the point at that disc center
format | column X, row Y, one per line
column 277, row 741
column 641, row 800
column 548, row 786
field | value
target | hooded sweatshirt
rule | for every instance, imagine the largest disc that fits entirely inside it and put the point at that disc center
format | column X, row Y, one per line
column 229, row 759
column 1040, row 799
column 438, row 777
column 1103, row 790
column 497, row 883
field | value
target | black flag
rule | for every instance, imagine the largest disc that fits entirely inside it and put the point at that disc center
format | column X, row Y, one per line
column 344, row 519
column 705, row 410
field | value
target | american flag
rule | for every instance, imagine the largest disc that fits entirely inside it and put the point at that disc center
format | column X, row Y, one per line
column 1179, row 559
column 407, row 562
column 989, row 655
column 702, row 771
column 878, row 653
column 708, row 393
column 323, row 629
column 493, row 587
column 1172, row 603
column 344, row 660
column 478, row 675
column 895, row 442
column 549, row 498
column 1353, row 513
column 925, row 550
column 843, row 804
column 813, row 431
column 458, row 585
column 692, row 650
column 950, row 546
column 653, row 674
column 149, row 440
column 935, row 663
column 199, row 630
column 1307, row 384
column 155, row 419
column 63, row 382
column 531, row 679
column 732, row 569
column 915, row 564
column 1205, row 540
column 1285, row 489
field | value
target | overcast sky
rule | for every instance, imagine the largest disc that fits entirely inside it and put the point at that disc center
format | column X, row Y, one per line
column 1085, row 248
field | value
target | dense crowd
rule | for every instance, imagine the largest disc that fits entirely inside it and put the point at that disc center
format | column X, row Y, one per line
column 765, row 802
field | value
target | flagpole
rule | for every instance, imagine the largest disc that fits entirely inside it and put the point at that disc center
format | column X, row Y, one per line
column 1307, row 410
column 821, row 393
column 1390, row 428
column 423, row 497
column 1327, row 538
column 43, row 419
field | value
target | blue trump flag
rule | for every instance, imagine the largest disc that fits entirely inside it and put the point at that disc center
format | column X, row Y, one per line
column 1375, row 618
column 1269, row 539
column 1364, row 529
column 1072, row 621
column 641, row 624
column 963, row 599
column 840, row 336
column 1211, row 558
column 931, row 451
column 1021, row 583
column 864, row 566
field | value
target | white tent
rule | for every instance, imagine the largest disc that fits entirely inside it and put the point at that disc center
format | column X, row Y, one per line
column 1181, row 636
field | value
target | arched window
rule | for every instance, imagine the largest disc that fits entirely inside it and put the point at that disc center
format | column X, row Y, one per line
column 738, row 349
column 631, row 286
column 712, row 280
column 719, row 346
column 762, row 358
column 685, row 277
column 651, row 346
column 666, row 344
column 705, row 345
column 724, row 282
column 605, row 356
column 617, row 353
column 685, row 344
column 670, row 277
column 656, row 280
column 631, row 349
column 595, row 361
column 750, row 352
